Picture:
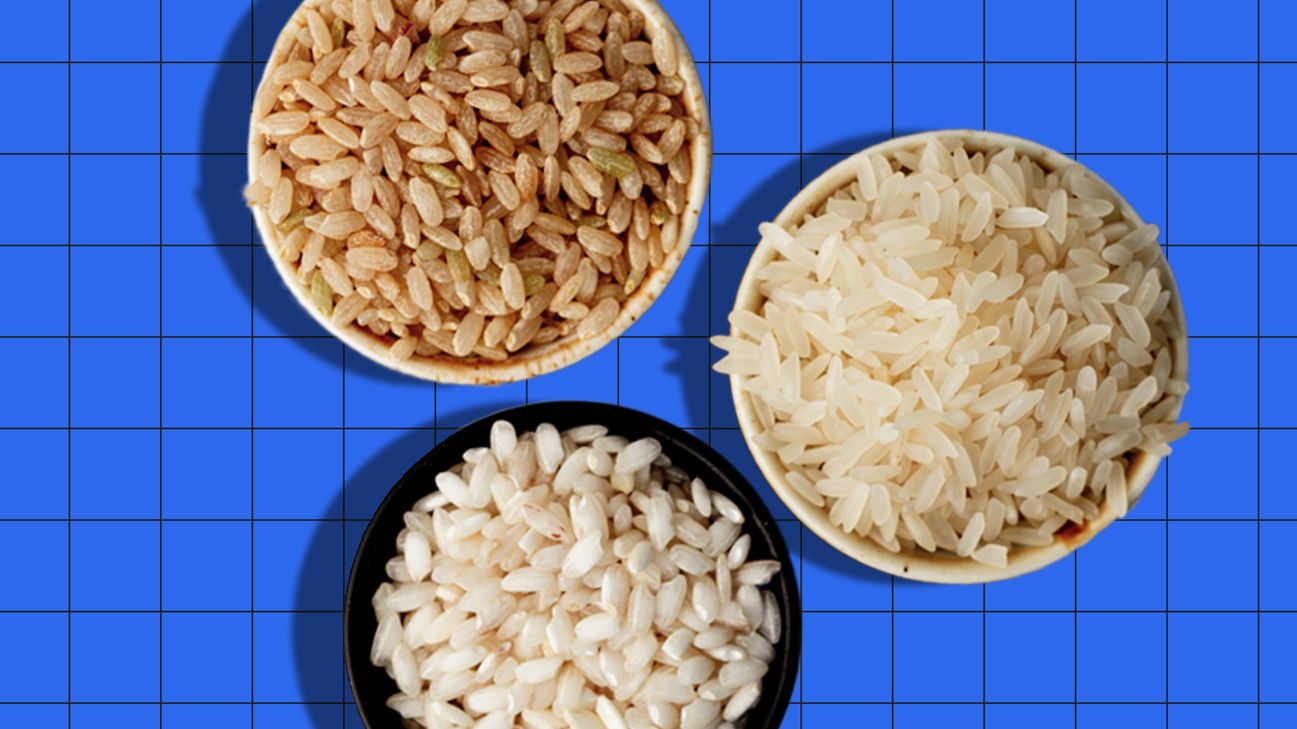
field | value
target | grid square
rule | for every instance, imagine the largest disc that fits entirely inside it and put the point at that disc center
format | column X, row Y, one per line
column 778, row 85
column 1202, row 272
column 205, row 566
column 136, row 716
column 277, row 313
column 1278, row 572
column 119, row 31
column 691, row 17
column 1152, row 502
column 1008, row 677
column 34, row 184
column 1130, row 645
column 1124, row 568
column 958, row 636
column 124, row 212
column 833, row 641
column 284, row 368
column 42, row 365
column 1278, row 497
column 1199, row 31
column 114, row 383
column 670, row 379
column 833, row 581
column 295, row 565
column 829, row 715
column 297, row 658
column 1200, row 472
column 42, row 287
column 1141, row 36
column 942, row 30
column 727, row 266
column 371, row 390
column 206, row 31
column 682, row 308
column 834, row 122
column 1278, row 109
column 1213, row 107
column 1139, row 89
column 292, row 487
column 206, row 657
column 115, row 474
column 1275, row 175
column 1277, row 356
column 375, row 460
column 924, row 716
column 51, row 46
column 743, row 31
column 1275, row 716
column 203, row 107
column 46, row 716
column 459, row 405
column 1141, row 180
column 1045, row 114
column 958, row 106
column 1226, row 214
column 42, row 639
column 1144, row 716
column 1211, row 716
column 1227, row 551
column 207, row 716
column 126, row 276
column 38, row 483
column 198, row 208
column 115, row 657
column 1213, row 403
column 1278, row 309
column 1025, row 30
column 1048, row 589
column 206, row 295
column 43, row 581
column 298, row 716
column 1277, row 43
column 593, row 378
column 846, row 30
column 1278, row 642
column 205, row 474
column 730, row 444
column 1212, row 657
column 115, row 565
column 205, row 383
column 40, row 86
column 1027, row 716
column 131, row 91
column 746, row 191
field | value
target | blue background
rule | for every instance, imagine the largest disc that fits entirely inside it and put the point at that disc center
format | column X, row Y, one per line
column 190, row 460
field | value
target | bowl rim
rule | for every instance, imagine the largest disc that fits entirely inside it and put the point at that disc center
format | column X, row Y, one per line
column 760, row 523
column 922, row 566
column 537, row 359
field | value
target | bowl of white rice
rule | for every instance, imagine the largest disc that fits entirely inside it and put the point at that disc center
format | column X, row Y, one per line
column 475, row 191
column 572, row 564
column 958, row 355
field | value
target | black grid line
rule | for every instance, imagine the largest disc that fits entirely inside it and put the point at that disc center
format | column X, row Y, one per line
column 69, row 365
column 1259, row 644
column 161, row 394
column 1166, row 240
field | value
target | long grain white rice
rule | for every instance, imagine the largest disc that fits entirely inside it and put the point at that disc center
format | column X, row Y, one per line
column 531, row 590
column 969, row 373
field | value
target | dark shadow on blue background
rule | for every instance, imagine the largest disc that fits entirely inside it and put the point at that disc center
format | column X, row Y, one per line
column 740, row 227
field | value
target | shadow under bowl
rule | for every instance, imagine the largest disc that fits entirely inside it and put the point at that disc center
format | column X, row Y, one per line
column 371, row 686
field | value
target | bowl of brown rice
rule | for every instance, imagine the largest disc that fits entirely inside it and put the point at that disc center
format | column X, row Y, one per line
column 478, row 191
column 957, row 356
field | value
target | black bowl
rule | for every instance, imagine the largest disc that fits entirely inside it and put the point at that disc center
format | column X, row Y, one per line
column 371, row 686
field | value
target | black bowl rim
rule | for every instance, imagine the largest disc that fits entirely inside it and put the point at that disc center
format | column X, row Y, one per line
column 784, row 669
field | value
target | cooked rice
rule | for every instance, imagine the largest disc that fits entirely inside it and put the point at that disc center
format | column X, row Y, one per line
column 961, row 352
column 478, row 144
column 571, row 579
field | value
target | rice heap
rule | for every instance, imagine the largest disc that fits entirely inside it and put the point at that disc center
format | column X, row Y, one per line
column 574, row 580
column 961, row 352
column 470, row 178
